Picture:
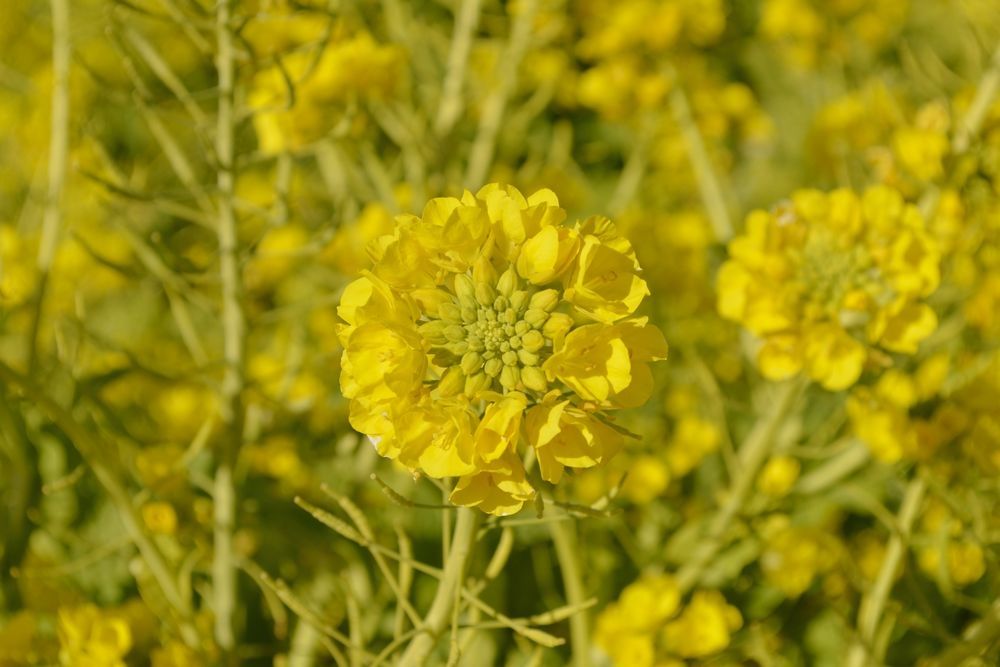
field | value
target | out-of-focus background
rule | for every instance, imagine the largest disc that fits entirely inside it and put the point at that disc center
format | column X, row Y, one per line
column 186, row 187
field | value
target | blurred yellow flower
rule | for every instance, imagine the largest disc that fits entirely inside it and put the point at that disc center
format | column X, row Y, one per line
column 91, row 637
column 826, row 278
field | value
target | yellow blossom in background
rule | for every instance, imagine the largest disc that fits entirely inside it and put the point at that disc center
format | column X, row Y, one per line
column 344, row 72
column 778, row 476
column 91, row 637
column 492, row 300
column 827, row 279
column 703, row 628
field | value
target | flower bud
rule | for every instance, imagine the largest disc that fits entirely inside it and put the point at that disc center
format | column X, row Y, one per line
column 485, row 294
column 475, row 384
column 433, row 332
column 493, row 367
column 527, row 358
column 508, row 282
column 452, row 383
column 471, row 362
column 536, row 317
column 510, row 376
column 450, row 312
column 534, row 379
column 532, row 341
column 518, row 300
column 545, row 300
column 465, row 289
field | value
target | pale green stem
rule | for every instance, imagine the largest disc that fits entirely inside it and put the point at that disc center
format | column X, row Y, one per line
column 752, row 454
column 224, row 565
column 481, row 155
column 968, row 126
column 58, row 153
column 567, row 551
column 873, row 603
column 449, row 589
column 834, row 470
column 709, row 186
column 983, row 634
column 458, row 58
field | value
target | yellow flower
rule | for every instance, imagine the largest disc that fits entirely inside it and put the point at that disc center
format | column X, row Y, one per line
column 829, row 277
column 564, row 435
column 606, row 284
column 778, row 476
column 648, row 477
column 793, row 557
column 703, row 628
column 160, row 517
column 90, row 637
column 607, row 364
column 464, row 329
column 345, row 71
column 500, row 489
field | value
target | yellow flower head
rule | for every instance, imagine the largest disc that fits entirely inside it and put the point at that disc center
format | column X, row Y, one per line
column 90, row 637
column 487, row 323
column 827, row 277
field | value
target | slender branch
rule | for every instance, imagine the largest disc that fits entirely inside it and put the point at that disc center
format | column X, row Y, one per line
column 752, row 455
column 481, row 155
column 224, row 565
column 58, row 154
column 448, row 591
column 567, row 551
column 712, row 194
column 458, row 57
column 873, row 603
column 969, row 124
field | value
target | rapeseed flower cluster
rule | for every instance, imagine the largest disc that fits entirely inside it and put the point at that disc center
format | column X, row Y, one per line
column 832, row 282
column 488, row 322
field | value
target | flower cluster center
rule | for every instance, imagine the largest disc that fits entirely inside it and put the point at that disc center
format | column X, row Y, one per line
column 495, row 334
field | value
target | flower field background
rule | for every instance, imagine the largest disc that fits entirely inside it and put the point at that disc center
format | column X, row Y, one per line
column 643, row 333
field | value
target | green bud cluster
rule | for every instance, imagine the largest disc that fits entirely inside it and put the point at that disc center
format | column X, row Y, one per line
column 495, row 336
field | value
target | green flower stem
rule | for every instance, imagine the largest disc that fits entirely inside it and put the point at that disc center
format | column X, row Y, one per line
column 449, row 589
column 873, row 603
column 751, row 457
column 224, row 565
column 58, row 154
column 567, row 550
column 712, row 194
column 481, row 154
column 458, row 57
